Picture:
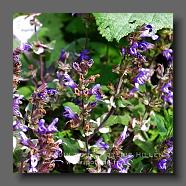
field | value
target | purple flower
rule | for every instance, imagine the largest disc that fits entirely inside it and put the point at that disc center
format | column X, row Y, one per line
column 52, row 128
column 51, row 91
column 41, row 127
column 167, row 92
column 76, row 66
column 25, row 47
column 149, row 31
column 144, row 45
column 68, row 113
column 167, row 53
column 122, row 137
column 67, row 81
column 162, row 164
column 123, row 163
column 133, row 49
column 17, row 125
column 143, row 76
column 101, row 144
column 16, row 102
column 63, row 56
column 96, row 91
column 24, row 140
column 33, row 163
column 84, row 55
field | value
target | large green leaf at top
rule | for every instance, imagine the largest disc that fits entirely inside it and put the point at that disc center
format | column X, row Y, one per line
column 117, row 25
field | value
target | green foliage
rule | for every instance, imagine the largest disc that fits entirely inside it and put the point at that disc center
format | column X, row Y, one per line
column 73, row 106
column 117, row 25
column 70, row 145
column 26, row 91
column 118, row 119
column 146, row 146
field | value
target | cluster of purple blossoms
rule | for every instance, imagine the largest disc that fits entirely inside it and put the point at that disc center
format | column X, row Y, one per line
column 136, row 48
column 166, row 89
column 42, row 129
column 123, row 163
column 45, row 149
column 144, row 75
column 166, row 160
column 83, row 63
column 81, row 66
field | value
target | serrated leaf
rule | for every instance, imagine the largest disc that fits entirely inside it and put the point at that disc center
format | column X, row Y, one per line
column 117, row 25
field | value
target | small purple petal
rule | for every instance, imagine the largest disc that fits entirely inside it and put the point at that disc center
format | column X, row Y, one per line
column 102, row 145
column 52, row 128
column 42, row 129
column 68, row 113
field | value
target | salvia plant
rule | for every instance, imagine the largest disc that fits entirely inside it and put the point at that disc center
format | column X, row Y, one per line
column 82, row 109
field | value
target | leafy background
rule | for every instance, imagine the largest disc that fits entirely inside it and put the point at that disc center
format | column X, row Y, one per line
column 103, row 34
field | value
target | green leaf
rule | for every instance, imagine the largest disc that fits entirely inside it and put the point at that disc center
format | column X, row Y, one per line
column 117, row 25
column 138, row 110
column 118, row 119
column 26, row 91
column 70, row 146
column 159, row 121
column 76, row 26
column 145, row 146
column 74, row 107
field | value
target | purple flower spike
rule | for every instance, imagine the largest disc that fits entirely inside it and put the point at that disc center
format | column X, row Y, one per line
column 68, row 113
column 42, row 129
column 101, row 144
column 52, row 128
column 96, row 91
column 162, row 164
column 33, row 163
column 67, row 81
column 123, row 163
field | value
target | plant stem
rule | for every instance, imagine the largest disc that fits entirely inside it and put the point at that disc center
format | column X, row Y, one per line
column 41, row 69
column 112, row 108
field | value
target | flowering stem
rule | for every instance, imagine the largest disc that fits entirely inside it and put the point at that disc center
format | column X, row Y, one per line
column 41, row 69
column 112, row 108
